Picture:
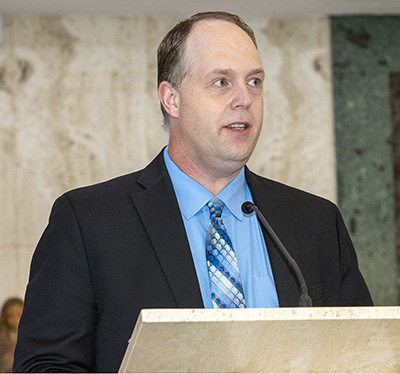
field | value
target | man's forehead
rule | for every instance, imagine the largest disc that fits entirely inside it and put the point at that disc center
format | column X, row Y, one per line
column 206, row 28
column 220, row 40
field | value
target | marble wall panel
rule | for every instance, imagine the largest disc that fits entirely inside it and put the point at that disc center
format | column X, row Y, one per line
column 297, row 143
column 78, row 104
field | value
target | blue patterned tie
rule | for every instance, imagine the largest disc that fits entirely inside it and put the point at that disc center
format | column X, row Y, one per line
column 226, row 288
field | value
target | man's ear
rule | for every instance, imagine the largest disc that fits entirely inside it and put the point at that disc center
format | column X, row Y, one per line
column 169, row 98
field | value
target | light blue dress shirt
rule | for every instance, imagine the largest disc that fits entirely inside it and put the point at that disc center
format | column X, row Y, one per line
column 244, row 231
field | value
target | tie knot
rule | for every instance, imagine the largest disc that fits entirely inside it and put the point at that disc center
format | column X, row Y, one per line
column 215, row 205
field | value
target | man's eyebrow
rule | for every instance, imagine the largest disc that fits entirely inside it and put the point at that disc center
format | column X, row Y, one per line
column 221, row 72
column 231, row 71
column 257, row 71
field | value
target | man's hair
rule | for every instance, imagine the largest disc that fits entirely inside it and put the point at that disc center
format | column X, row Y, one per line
column 173, row 65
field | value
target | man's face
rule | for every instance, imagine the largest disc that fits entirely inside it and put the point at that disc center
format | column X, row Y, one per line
column 220, row 101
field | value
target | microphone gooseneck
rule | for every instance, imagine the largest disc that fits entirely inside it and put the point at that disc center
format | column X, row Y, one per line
column 305, row 300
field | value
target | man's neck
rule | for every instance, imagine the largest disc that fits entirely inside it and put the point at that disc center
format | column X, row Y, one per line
column 214, row 180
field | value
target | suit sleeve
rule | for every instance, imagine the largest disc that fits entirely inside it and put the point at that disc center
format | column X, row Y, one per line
column 56, row 332
column 353, row 289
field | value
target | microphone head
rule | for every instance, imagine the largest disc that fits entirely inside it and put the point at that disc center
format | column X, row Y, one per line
column 247, row 207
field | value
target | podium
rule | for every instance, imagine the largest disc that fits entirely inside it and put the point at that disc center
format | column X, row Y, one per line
column 276, row 340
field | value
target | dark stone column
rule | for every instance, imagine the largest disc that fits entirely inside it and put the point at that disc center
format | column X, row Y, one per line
column 395, row 106
column 365, row 51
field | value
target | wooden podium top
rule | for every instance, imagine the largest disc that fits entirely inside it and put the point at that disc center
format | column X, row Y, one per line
column 284, row 340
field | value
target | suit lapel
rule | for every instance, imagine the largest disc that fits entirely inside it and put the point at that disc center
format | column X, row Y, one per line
column 274, row 208
column 161, row 216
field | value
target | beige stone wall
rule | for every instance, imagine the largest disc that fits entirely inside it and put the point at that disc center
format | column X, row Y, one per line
column 78, row 104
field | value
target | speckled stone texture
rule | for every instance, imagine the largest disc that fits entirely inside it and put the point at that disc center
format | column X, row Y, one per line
column 395, row 106
column 365, row 50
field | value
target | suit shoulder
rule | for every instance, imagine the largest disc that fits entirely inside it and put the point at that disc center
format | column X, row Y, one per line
column 119, row 185
column 114, row 194
column 125, row 184
column 105, row 196
column 292, row 195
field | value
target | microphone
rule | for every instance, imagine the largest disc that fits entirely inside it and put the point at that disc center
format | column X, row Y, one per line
column 305, row 300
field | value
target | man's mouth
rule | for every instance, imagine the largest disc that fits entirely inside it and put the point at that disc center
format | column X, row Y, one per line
column 237, row 126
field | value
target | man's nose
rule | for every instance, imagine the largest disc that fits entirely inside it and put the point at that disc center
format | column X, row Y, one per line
column 241, row 97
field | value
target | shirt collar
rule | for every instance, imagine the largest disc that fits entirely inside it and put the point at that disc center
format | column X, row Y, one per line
column 234, row 195
column 192, row 196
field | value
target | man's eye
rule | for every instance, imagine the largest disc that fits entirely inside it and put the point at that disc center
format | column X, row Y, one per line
column 221, row 82
column 255, row 82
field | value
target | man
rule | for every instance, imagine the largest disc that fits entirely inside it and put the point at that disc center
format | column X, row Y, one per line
column 139, row 241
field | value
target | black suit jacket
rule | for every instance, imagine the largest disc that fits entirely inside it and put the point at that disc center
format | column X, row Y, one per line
column 117, row 247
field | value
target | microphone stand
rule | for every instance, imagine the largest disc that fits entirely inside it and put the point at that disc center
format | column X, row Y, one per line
column 305, row 300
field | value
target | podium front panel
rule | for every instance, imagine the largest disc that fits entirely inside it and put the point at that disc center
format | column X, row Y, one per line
column 278, row 340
